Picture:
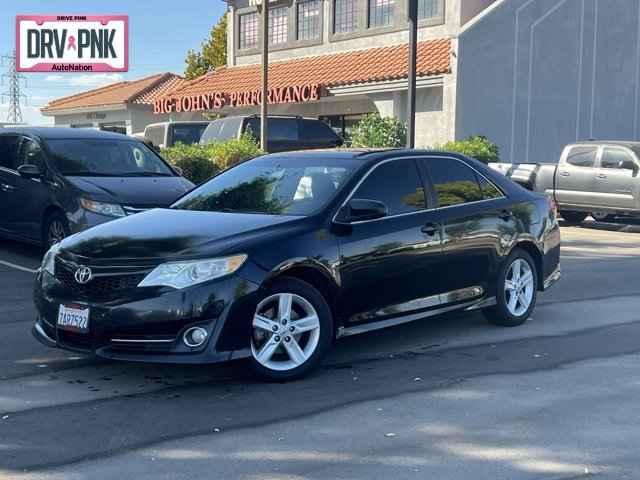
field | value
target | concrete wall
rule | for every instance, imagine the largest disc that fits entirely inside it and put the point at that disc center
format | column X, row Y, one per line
column 535, row 75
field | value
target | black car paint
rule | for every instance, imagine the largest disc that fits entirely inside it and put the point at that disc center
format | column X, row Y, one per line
column 389, row 268
column 28, row 201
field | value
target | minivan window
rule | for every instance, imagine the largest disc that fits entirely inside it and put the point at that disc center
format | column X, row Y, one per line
column 617, row 158
column 582, row 156
column 316, row 131
column 188, row 133
column 105, row 158
column 280, row 129
column 272, row 185
column 31, row 153
column 9, row 151
column 155, row 135
column 454, row 182
column 397, row 184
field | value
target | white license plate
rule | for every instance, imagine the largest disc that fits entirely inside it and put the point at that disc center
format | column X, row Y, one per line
column 73, row 319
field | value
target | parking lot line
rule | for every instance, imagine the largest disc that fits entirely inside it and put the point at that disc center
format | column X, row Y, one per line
column 17, row 267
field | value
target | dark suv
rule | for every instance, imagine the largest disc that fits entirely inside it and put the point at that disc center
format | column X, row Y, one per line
column 58, row 181
column 285, row 133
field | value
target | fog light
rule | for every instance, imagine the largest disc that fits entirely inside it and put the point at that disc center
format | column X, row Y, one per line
column 195, row 337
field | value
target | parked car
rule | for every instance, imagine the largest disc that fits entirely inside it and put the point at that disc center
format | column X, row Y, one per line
column 59, row 181
column 167, row 134
column 285, row 133
column 592, row 178
column 276, row 257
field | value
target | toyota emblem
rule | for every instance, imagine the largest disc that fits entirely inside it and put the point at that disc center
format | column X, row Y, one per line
column 83, row 275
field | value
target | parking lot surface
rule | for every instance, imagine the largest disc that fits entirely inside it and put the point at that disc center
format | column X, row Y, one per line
column 448, row 397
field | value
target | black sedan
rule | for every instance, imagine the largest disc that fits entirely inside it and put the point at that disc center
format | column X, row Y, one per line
column 274, row 259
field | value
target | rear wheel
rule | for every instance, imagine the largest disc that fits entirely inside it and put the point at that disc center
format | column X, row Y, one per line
column 603, row 216
column 291, row 331
column 573, row 217
column 55, row 229
column 516, row 292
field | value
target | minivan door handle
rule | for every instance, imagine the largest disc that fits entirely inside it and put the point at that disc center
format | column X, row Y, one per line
column 429, row 229
column 601, row 175
column 563, row 173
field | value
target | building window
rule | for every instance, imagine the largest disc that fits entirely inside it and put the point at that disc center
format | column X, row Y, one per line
column 309, row 20
column 248, row 30
column 345, row 17
column 428, row 9
column 278, row 26
column 380, row 12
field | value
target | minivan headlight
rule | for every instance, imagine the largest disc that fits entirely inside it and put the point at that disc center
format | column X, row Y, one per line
column 185, row 274
column 49, row 260
column 110, row 209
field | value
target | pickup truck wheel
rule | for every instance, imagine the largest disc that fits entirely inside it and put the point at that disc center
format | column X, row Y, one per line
column 573, row 217
column 603, row 216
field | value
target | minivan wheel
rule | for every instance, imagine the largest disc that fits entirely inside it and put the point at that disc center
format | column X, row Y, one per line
column 291, row 330
column 573, row 217
column 56, row 229
column 516, row 293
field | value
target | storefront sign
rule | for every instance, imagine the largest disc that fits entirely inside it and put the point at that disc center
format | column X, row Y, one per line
column 96, row 116
column 250, row 98
column 72, row 43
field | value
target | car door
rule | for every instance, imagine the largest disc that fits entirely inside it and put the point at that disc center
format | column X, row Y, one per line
column 390, row 266
column 616, row 180
column 476, row 219
column 575, row 180
column 8, row 177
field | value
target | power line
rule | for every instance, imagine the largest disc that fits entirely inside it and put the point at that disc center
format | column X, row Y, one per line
column 14, row 94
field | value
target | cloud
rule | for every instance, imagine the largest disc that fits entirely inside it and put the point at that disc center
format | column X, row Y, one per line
column 88, row 80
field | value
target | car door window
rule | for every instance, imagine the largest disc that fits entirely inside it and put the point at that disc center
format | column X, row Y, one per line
column 582, row 156
column 283, row 130
column 9, row 151
column 489, row 190
column 454, row 182
column 316, row 132
column 617, row 158
column 397, row 184
column 31, row 154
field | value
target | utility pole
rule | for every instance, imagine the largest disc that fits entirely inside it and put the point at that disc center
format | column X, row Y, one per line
column 264, row 128
column 411, row 77
column 13, row 95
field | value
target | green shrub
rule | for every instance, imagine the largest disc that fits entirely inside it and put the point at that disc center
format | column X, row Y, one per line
column 477, row 147
column 373, row 131
column 201, row 162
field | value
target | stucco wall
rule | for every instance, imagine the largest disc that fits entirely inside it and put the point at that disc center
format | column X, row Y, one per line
column 535, row 75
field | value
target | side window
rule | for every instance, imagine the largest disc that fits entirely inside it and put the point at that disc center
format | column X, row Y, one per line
column 31, row 154
column 316, row 131
column 9, row 151
column 282, row 129
column 454, row 182
column 155, row 135
column 253, row 127
column 582, row 156
column 617, row 158
column 397, row 184
column 489, row 190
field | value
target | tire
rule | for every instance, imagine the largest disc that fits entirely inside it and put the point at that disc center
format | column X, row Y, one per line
column 55, row 229
column 505, row 313
column 283, row 354
column 603, row 217
column 573, row 217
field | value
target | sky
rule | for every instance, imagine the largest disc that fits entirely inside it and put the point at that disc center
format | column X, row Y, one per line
column 160, row 33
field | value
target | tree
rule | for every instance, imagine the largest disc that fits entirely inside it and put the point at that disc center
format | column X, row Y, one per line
column 213, row 53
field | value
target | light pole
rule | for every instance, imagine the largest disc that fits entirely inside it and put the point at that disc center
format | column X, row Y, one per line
column 411, row 76
column 265, row 76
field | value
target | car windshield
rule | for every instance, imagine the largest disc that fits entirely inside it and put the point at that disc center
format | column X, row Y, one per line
column 105, row 158
column 272, row 185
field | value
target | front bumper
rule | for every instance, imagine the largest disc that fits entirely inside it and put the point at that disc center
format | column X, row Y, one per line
column 148, row 325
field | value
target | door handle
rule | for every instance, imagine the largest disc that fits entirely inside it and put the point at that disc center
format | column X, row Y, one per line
column 601, row 175
column 429, row 229
column 562, row 173
column 506, row 215
column 5, row 188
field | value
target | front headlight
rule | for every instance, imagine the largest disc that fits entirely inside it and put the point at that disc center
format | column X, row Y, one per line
column 49, row 259
column 185, row 274
column 110, row 209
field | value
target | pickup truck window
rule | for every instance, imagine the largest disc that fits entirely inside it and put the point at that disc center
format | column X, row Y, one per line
column 582, row 156
column 617, row 158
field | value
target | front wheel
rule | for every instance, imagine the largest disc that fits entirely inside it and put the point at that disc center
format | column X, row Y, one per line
column 572, row 216
column 292, row 329
column 517, row 291
column 55, row 229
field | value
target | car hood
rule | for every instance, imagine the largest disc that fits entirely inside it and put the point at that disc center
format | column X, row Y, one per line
column 140, row 191
column 167, row 234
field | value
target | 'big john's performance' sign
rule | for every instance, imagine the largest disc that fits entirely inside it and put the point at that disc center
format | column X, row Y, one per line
column 216, row 100
column 72, row 43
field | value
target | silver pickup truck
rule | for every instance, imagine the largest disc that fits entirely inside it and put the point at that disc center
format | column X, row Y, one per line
column 597, row 178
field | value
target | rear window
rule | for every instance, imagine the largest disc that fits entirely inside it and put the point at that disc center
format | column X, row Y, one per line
column 155, row 135
column 188, row 134
column 280, row 129
column 221, row 130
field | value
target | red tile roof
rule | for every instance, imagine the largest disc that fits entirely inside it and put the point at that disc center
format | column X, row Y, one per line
column 144, row 90
column 331, row 70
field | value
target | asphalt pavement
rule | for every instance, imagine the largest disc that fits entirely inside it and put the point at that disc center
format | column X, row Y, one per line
column 448, row 397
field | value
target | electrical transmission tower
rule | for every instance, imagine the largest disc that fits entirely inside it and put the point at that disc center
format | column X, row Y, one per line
column 14, row 81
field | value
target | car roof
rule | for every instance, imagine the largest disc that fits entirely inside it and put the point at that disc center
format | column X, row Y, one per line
column 65, row 133
column 366, row 154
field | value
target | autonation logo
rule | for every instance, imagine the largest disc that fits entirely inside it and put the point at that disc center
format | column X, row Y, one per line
column 72, row 43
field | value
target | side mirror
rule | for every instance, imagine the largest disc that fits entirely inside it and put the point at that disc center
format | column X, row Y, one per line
column 29, row 171
column 359, row 209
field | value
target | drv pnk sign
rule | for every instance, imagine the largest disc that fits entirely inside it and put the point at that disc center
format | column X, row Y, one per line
column 72, row 43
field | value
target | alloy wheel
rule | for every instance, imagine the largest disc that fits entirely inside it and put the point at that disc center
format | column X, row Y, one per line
column 56, row 232
column 285, row 332
column 519, row 287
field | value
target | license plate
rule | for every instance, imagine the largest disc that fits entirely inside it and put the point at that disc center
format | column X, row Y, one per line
column 73, row 319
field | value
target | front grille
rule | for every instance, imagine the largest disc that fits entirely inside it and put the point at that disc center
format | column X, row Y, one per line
column 143, row 344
